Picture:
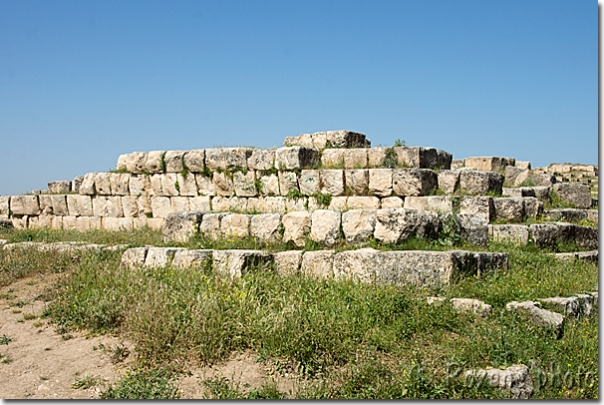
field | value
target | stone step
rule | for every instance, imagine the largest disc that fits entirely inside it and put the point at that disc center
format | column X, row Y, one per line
column 545, row 235
column 414, row 267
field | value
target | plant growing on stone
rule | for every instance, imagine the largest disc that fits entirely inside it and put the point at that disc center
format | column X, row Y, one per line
column 162, row 162
column 389, row 160
column 399, row 143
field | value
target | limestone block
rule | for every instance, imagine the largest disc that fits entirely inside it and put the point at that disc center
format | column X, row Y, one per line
column 417, row 156
column 448, row 181
column 192, row 258
column 194, row 160
column 533, row 208
column 592, row 215
column 160, row 256
column 187, row 185
column 235, row 225
column 134, row 257
column 332, row 158
column 83, row 224
column 336, row 204
column 332, row 182
column 157, row 188
column 473, row 229
column 489, row 163
column 287, row 263
column 99, row 206
column 119, row 183
column 160, row 207
column 88, row 187
column 413, row 267
column 568, row 306
column 180, row 226
column 310, row 181
column 534, row 178
column 481, row 206
column 296, row 157
column 443, row 159
column 332, row 139
column 548, row 235
column 397, row 224
column 236, row 263
column 356, row 182
column 59, row 205
column 586, row 237
column 441, row 204
column 510, row 233
column 392, row 202
column 24, row 205
column 360, row 264
column 586, row 302
column 59, row 187
column 356, row 202
column 109, row 223
column 135, row 162
column 220, row 204
column 471, row 305
column 201, row 203
column 32, row 223
column 121, row 161
column 480, row 182
column 139, row 185
column 267, row 204
column 301, row 140
column 227, row 158
column 173, row 160
column 4, row 205
column 130, row 207
column 154, row 162
column 355, row 158
column 515, row 380
column 325, row 227
column 205, row 185
column 155, row 223
column 509, row 208
column 269, row 185
column 179, row 204
column 266, row 227
column 567, row 214
column 245, row 184
column 541, row 317
column 523, row 165
column 512, row 173
column 380, row 182
column 144, row 206
column 223, row 184
column 261, row 159
column 358, row 225
column 577, row 194
column 170, row 184
column 210, row 225
column 317, row 263
column 296, row 204
column 22, row 222
column 288, row 181
column 296, row 227
column 102, row 183
column 76, row 183
column 114, row 207
column 375, row 156
column 45, row 202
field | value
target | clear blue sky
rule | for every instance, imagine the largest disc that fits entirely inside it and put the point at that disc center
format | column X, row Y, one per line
column 84, row 81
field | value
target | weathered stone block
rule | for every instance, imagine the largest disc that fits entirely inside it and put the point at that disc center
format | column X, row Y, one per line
column 266, row 227
column 288, row 263
column 318, row 263
column 210, row 225
column 586, row 237
column 547, row 236
column 441, row 204
column 83, row 224
column 135, row 162
column 4, row 205
column 310, row 182
column 392, row 202
column 355, row 158
column 509, row 208
column 481, row 206
column 109, row 223
column 157, row 188
column 532, row 178
column 333, row 158
column 357, row 181
column 180, row 226
column 236, row 263
column 473, row 229
column 510, row 233
column 261, row 159
column 397, row 224
column 102, row 183
column 201, row 203
column 194, row 160
column 533, row 208
column 336, row 204
column 88, row 186
column 448, row 181
column 296, row 227
column 413, row 267
column 332, row 182
column 59, row 187
column 223, row 184
column 375, row 156
column 76, row 183
column 134, row 257
column 566, row 214
column 144, row 206
column 416, row 156
column 489, row 163
column 99, row 206
column 577, row 194
column 160, row 207
column 187, row 186
column 179, row 204
column 45, row 202
column 24, row 205
column 119, row 183
column 523, row 165
column 114, row 207
column 540, row 317
column 360, row 264
column 170, row 184
column 245, row 184
column 269, row 185
column 288, row 181
column 325, row 227
column 192, row 258
column 154, row 161
column 295, row 157
column 358, row 225
column 235, row 225
column 227, row 158
column 59, row 205
column 443, row 159
column 356, row 202
column 205, row 185
column 79, row 205
column 160, row 256
column 380, row 182
column 296, row 204
column 138, row 185
column 129, row 206
column 267, row 204
column 333, row 139
column 515, row 380
column 480, row 182
column 568, row 306
column 229, row 204
column 173, row 160
column 471, row 305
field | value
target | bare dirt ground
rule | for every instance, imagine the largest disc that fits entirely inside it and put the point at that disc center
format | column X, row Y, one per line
column 37, row 362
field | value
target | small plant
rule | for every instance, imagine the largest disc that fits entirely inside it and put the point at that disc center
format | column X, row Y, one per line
column 119, row 354
column 121, row 169
column 389, row 160
column 206, row 172
column 177, row 186
column 162, row 162
column 6, row 359
column 29, row 316
column 184, row 172
column 399, row 143
column 322, row 199
column 293, row 194
column 85, row 382
column 5, row 340
column 151, row 384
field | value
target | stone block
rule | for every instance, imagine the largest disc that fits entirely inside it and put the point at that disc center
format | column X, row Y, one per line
column 325, row 227
column 376, row 156
column 443, row 159
column 158, row 257
column 356, row 182
column 114, row 207
column 239, row 204
column 473, row 229
column 135, row 162
column 592, row 215
column 45, row 202
column 112, row 224
column 318, row 263
column 223, row 184
column 489, row 163
column 139, row 185
column 586, row 237
column 533, row 208
column 227, row 158
column 170, row 184
column 332, row 182
column 68, row 222
column 515, row 380
column 358, row 225
column 180, row 226
column 296, row 157
column 296, row 227
column 442, row 204
column 205, row 185
column 134, row 257
column 4, row 205
column 510, row 233
column 480, row 182
column 119, row 183
column 192, row 258
column 509, row 208
column 310, row 181
column 330, row 139
column 448, row 181
column 130, row 207
column 296, row 204
column 144, row 206
column 394, row 225
column 359, row 264
column 568, row 306
column 535, row 179
column 480, row 206
column 548, row 235
column 288, row 181
column 210, row 225
column 261, row 159
column 102, row 183
column 154, row 161
column 523, row 165
column 24, row 205
column 269, row 185
column 566, row 214
column 576, row 194
column 59, row 187
column 336, row 204
column 160, row 207
column 194, row 160
column 235, row 225
column 236, row 263
column 380, row 182
column 541, row 317
column 287, row 263
column 99, row 206
column 333, row 158
column 267, row 204
column 59, row 205
column 266, row 227
column 417, row 156
column 392, row 202
column 245, row 184
column 121, row 161
column 156, row 185
column 200, row 203
column 173, row 161
column 76, row 183
column 179, row 204
column 356, row 202
column 413, row 267
column 83, row 224
column 88, row 186
column 355, row 158
column 187, row 186
column 471, row 305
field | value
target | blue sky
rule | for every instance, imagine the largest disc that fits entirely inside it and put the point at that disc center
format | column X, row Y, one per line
column 84, row 81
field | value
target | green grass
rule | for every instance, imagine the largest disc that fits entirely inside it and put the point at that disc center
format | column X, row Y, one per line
column 146, row 384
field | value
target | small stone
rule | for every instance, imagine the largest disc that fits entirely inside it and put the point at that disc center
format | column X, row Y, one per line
column 541, row 317
column 471, row 305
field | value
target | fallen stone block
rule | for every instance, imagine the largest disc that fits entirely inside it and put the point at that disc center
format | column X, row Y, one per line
column 568, row 306
column 59, row 187
column 586, row 237
column 357, row 264
column 237, row 263
column 510, row 233
column 318, row 263
column 471, row 305
column 577, row 194
column 414, row 182
column 442, row 204
column 266, row 227
column 358, row 225
column 227, row 158
column 296, row 157
column 296, row 227
column 287, row 263
column 325, row 227
column 478, row 182
column 190, row 258
column 548, row 235
column 134, row 257
column 516, row 379
column 541, row 317
column 180, row 226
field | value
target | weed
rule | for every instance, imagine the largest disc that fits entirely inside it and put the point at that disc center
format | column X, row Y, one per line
column 38, row 324
column 293, row 194
column 206, row 172
column 162, row 162
column 177, row 186
column 323, row 200
column 390, row 160
column 119, row 354
column 16, row 311
column 146, row 384
column 6, row 359
column 5, row 340
column 399, row 143
column 121, row 169
column 28, row 316
column 85, row 382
